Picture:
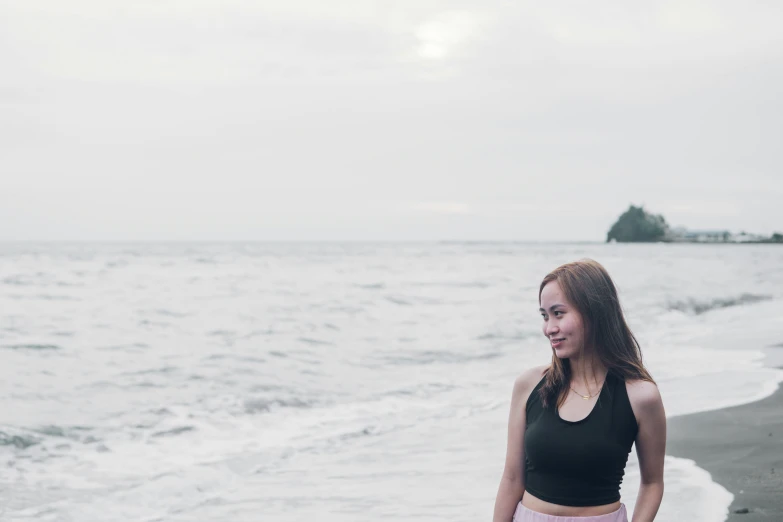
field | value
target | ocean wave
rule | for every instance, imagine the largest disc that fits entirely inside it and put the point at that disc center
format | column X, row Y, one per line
column 43, row 297
column 25, row 438
column 221, row 333
column 698, row 307
column 309, row 340
column 174, row 431
column 511, row 336
column 436, row 356
column 171, row 313
column 451, row 284
column 124, row 347
column 31, row 346
column 153, row 324
column 364, row 432
column 253, row 406
column 425, row 390
column 371, row 286
column 151, row 371
column 234, row 357
column 56, row 297
column 398, row 301
column 256, row 333
column 18, row 441
column 161, row 411
column 17, row 280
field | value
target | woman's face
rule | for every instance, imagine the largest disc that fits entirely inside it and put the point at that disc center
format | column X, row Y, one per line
column 563, row 324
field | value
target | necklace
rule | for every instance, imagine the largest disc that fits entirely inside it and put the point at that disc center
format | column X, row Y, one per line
column 587, row 397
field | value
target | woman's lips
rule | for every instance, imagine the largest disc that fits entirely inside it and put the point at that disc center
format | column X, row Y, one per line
column 557, row 342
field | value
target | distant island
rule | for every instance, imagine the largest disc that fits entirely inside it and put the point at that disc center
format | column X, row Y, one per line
column 636, row 225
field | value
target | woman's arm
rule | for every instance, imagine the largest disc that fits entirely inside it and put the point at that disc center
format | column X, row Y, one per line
column 650, row 447
column 512, row 483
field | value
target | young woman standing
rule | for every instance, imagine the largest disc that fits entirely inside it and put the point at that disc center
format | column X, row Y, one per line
column 573, row 421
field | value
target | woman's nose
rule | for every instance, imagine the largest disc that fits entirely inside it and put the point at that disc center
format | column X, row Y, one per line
column 550, row 329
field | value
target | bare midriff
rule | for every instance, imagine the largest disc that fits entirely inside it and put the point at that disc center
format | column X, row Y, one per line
column 542, row 506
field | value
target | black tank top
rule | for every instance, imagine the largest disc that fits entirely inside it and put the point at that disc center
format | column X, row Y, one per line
column 579, row 463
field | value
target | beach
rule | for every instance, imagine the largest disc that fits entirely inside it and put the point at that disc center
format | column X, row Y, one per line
column 742, row 448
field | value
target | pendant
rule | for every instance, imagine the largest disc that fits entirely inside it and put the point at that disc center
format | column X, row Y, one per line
column 585, row 398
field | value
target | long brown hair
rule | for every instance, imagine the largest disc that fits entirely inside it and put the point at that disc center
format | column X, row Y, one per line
column 588, row 287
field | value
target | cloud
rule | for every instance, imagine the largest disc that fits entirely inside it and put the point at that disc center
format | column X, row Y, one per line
column 489, row 117
column 442, row 207
column 696, row 207
column 444, row 34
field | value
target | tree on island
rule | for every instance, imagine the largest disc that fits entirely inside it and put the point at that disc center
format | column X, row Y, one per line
column 637, row 225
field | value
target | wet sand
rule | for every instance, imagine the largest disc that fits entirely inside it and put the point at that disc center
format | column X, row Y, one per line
column 742, row 448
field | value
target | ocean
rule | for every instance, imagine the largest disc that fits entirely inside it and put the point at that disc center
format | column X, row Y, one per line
column 333, row 381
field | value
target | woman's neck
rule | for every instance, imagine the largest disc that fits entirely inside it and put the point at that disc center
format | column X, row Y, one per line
column 587, row 372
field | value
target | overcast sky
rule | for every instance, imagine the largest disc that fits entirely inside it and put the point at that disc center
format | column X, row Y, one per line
column 386, row 120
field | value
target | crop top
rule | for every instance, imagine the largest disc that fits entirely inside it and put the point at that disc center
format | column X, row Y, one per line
column 579, row 463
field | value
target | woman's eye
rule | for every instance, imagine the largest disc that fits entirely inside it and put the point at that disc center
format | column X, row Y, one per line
column 557, row 312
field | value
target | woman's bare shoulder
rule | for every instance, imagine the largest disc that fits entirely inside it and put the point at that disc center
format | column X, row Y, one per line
column 642, row 391
column 644, row 397
column 528, row 379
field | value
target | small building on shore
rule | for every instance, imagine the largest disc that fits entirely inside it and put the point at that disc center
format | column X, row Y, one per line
column 744, row 237
column 700, row 236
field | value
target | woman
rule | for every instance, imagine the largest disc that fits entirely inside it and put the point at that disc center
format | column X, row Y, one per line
column 572, row 422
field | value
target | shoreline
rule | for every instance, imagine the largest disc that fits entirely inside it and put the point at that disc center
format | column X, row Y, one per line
column 742, row 448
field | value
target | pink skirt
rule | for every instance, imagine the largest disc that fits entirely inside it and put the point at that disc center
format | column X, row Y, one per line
column 523, row 514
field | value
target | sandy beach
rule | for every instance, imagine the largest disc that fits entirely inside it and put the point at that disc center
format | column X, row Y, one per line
column 742, row 447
